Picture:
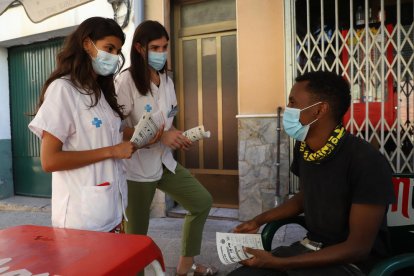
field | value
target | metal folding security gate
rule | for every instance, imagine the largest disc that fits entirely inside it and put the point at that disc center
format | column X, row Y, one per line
column 370, row 43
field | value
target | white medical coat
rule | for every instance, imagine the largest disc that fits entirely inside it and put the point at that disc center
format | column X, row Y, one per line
column 77, row 200
column 145, row 165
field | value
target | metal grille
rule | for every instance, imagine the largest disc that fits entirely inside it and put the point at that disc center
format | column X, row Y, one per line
column 376, row 58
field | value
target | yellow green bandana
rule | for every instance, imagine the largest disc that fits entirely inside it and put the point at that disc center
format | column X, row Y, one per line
column 326, row 150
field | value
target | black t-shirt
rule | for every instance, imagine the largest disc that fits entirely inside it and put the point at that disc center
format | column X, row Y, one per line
column 355, row 173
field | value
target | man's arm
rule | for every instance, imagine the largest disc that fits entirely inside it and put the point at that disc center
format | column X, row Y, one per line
column 364, row 222
column 291, row 207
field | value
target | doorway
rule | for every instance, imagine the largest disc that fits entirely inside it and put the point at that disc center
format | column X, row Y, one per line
column 29, row 67
column 206, row 84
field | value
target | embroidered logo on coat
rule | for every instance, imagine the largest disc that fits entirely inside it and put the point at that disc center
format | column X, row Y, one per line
column 96, row 122
column 148, row 107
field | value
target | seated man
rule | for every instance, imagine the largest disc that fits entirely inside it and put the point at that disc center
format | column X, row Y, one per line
column 345, row 189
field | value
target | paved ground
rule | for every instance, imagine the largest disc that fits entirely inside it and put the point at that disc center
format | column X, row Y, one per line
column 166, row 232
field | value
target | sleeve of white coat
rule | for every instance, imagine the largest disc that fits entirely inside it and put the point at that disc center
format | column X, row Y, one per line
column 171, row 89
column 171, row 101
column 56, row 114
column 124, row 89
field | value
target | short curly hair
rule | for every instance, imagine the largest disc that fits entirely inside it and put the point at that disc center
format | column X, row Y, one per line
column 331, row 88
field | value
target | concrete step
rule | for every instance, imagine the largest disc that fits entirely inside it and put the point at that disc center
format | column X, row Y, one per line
column 26, row 204
column 215, row 213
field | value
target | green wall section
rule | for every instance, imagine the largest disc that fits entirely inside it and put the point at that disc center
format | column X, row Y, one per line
column 29, row 67
column 6, row 171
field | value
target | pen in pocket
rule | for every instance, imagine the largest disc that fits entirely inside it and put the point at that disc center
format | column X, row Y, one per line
column 103, row 184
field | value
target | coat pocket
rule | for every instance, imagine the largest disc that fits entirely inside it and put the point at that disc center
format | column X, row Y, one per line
column 98, row 207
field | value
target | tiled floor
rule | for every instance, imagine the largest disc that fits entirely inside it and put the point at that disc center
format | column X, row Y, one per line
column 166, row 232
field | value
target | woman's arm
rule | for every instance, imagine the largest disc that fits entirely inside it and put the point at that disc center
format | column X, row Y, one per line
column 127, row 133
column 175, row 139
column 53, row 158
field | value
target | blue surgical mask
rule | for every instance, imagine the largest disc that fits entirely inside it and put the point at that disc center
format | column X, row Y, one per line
column 104, row 63
column 293, row 126
column 157, row 59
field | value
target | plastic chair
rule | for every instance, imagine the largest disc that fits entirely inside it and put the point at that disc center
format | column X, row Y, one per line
column 400, row 224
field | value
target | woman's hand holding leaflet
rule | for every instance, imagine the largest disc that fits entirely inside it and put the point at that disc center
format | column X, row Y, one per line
column 123, row 150
column 175, row 139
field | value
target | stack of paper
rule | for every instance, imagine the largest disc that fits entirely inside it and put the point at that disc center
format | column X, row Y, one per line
column 146, row 128
column 196, row 133
column 230, row 246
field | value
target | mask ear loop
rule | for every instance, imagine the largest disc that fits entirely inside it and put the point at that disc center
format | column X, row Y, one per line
column 310, row 107
column 97, row 50
column 313, row 121
column 94, row 45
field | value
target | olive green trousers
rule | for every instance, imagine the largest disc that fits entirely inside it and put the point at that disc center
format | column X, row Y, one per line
column 185, row 190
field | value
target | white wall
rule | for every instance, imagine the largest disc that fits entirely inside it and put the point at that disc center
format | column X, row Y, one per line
column 129, row 33
column 15, row 24
column 4, row 96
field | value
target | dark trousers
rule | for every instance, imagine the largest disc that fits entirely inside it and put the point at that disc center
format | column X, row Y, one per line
column 293, row 250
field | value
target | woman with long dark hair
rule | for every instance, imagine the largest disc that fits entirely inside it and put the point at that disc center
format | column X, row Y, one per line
column 145, row 87
column 79, row 122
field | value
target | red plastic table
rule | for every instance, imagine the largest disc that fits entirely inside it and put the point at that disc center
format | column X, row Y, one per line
column 57, row 251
